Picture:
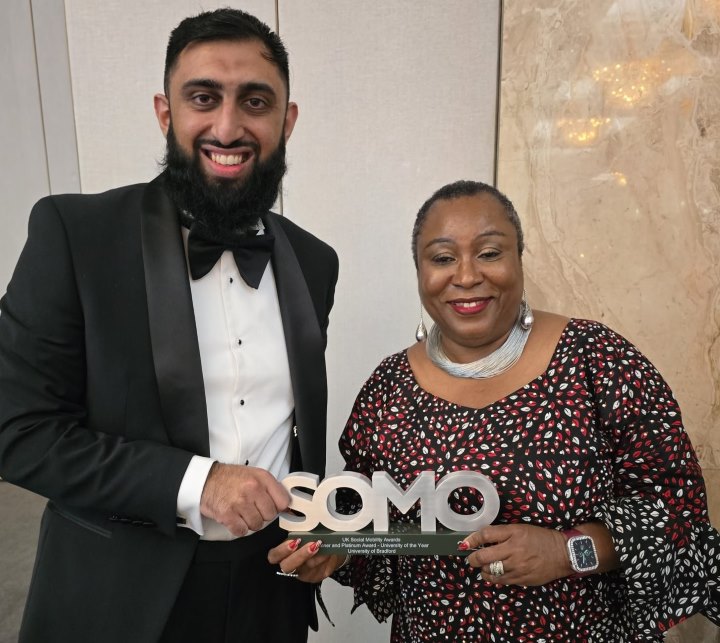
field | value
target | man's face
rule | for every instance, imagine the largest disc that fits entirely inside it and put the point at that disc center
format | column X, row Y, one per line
column 228, row 107
column 226, row 121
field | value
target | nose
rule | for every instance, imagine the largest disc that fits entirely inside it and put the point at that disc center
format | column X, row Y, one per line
column 468, row 273
column 228, row 124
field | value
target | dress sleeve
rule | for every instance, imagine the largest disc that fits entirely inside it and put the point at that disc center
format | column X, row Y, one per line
column 657, row 515
column 372, row 577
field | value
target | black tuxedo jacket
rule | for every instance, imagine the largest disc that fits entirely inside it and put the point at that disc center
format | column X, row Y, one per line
column 102, row 402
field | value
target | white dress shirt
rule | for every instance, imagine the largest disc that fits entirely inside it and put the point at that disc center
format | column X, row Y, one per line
column 247, row 382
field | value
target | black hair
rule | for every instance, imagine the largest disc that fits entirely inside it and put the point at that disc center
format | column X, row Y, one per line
column 460, row 189
column 225, row 24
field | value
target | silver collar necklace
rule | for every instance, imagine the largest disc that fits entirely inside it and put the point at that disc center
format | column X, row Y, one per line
column 497, row 362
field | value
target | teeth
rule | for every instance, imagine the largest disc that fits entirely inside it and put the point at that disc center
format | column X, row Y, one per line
column 227, row 159
column 467, row 304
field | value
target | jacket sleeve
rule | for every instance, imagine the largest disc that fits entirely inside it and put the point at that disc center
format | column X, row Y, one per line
column 46, row 445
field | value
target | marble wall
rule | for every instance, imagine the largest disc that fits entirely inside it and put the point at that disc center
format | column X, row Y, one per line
column 609, row 146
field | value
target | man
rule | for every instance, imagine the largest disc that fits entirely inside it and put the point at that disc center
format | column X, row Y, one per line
column 162, row 366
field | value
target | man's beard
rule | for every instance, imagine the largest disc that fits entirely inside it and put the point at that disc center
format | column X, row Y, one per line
column 220, row 209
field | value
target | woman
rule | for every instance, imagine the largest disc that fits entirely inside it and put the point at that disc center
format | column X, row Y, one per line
column 603, row 532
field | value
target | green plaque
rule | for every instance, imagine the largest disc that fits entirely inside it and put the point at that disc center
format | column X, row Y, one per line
column 401, row 539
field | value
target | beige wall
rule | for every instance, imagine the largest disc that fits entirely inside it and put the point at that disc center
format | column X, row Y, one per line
column 609, row 144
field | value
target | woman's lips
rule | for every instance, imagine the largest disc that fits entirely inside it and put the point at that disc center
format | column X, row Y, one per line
column 469, row 306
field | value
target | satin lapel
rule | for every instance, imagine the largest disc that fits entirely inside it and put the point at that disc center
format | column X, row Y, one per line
column 305, row 349
column 172, row 324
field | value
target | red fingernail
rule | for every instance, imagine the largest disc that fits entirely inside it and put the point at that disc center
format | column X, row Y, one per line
column 293, row 544
column 315, row 546
column 462, row 545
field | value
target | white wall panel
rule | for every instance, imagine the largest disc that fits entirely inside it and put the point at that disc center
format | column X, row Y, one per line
column 396, row 99
column 23, row 168
column 48, row 18
column 117, row 54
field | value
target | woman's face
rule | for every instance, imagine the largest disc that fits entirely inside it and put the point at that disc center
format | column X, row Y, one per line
column 470, row 274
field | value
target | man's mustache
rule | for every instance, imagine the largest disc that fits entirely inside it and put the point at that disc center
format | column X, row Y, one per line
column 236, row 143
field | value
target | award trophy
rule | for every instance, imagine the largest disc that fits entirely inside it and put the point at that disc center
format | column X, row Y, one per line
column 351, row 534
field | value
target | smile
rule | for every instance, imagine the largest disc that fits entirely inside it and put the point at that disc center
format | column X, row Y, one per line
column 470, row 306
column 228, row 159
column 228, row 165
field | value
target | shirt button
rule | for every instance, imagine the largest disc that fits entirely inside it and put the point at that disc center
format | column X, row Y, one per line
column 242, row 402
column 231, row 279
column 239, row 342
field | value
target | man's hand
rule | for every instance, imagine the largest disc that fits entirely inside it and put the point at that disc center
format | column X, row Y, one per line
column 242, row 498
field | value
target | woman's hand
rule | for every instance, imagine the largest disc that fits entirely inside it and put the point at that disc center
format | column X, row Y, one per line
column 530, row 555
column 304, row 561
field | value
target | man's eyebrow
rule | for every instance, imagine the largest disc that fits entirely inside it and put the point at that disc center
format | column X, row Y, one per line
column 244, row 88
column 256, row 86
column 207, row 83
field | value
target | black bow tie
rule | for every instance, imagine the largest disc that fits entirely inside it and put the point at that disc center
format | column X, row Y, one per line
column 251, row 253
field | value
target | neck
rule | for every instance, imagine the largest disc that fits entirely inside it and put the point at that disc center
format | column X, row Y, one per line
column 495, row 363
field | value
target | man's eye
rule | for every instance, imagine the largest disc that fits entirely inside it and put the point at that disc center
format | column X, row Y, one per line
column 489, row 254
column 202, row 99
column 256, row 103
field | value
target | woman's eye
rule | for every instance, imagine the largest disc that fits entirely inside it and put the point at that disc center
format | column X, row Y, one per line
column 442, row 259
column 489, row 254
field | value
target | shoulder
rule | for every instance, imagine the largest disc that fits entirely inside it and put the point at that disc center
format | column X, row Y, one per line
column 593, row 333
column 606, row 349
column 301, row 238
column 73, row 206
column 392, row 370
column 109, row 196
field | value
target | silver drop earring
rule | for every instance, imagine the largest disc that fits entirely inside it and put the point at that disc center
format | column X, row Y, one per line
column 421, row 331
column 527, row 319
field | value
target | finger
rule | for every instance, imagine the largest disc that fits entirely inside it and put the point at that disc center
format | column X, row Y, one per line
column 277, row 554
column 300, row 556
column 252, row 517
column 495, row 580
column 319, row 567
column 300, row 560
column 266, row 507
column 489, row 571
column 237, row 527
column 318, row 562
column 486, row 555
column 488, row 536
column 510, row 577
column 279, row 495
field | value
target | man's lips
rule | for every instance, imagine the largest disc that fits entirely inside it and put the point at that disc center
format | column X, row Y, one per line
column 227, row 162
column 470, row 306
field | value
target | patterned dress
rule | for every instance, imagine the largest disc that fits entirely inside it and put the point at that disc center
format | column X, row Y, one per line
column 597, row 437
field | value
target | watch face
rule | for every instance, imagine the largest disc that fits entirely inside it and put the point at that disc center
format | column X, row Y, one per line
column 583, row 556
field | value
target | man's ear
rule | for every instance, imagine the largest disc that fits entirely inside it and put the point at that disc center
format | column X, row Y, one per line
column 291, row 115
column 162, row 112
